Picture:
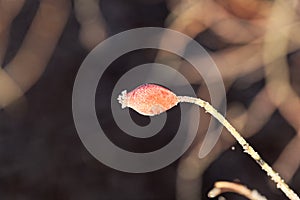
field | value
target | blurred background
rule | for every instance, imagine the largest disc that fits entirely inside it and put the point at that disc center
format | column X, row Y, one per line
column 255, row 45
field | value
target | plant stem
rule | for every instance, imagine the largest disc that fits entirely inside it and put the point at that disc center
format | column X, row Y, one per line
column 226, row 186
column 245, row 145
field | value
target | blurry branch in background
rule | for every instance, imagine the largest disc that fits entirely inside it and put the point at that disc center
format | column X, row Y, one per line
column 45, row 30
column 278, row 81
column 258, row 35
column 9, row 89
column 92, row 30
column 8, row 11
column 224, row 186
column 31, row 59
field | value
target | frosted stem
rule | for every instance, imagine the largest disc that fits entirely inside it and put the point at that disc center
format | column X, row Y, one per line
column 245, row 145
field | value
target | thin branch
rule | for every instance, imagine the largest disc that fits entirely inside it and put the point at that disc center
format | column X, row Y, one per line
column 245, row 145
column 225, row 186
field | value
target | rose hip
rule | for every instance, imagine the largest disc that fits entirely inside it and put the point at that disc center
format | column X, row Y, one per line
column 149, row 99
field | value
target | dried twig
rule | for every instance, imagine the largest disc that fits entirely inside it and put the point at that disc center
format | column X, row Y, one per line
column 245, row 145
column 225, row 186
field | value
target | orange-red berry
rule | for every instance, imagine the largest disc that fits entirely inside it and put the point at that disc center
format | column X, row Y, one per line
column 149, row 99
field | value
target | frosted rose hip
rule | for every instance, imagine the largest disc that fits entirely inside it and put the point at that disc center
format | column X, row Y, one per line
column 148, row 99
column 152, row 100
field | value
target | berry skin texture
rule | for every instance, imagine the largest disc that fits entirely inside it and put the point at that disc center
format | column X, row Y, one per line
column 149, row 99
